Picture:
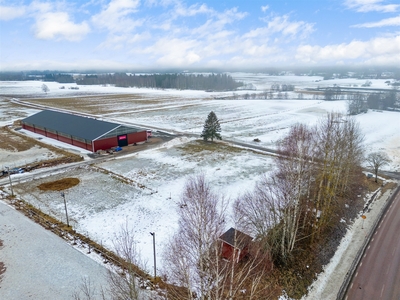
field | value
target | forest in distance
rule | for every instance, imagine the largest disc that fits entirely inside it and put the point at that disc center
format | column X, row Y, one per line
column 179, row 81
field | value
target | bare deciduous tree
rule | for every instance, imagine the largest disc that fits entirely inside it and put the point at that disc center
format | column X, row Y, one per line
column 123, row 280
column 191, row 255
column 45, row 88
column 376, row 160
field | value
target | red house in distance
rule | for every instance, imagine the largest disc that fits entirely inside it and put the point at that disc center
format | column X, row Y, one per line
column 235, row 244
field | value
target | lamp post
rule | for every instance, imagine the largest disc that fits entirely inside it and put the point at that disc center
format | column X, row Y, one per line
column 9, row 177
column 154, row 251
column 65, row 205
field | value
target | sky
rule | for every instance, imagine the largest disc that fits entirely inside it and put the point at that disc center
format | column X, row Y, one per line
column 197, row 34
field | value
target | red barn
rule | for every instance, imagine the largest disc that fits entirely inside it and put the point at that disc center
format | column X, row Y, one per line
column 235, row 244
column 84, row 132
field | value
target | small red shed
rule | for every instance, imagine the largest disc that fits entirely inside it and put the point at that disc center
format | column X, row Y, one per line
column 235, row 244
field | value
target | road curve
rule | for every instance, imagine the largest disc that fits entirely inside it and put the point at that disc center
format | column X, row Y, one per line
column 377, row 277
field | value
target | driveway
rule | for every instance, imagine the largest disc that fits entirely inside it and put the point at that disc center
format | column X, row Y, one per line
column 39, row 264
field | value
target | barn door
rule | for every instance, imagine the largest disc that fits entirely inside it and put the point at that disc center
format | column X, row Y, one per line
column 122, row 140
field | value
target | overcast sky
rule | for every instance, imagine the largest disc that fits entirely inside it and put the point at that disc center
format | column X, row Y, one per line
column 190, row 34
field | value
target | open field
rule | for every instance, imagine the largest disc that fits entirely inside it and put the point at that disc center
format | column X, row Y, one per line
column 143, row 188
column 149, row 194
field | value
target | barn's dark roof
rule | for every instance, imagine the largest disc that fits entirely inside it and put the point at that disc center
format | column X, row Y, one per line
column 242, row 239
column 77, row 126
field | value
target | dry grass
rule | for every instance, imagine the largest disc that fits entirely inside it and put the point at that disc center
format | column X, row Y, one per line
column 389, row 186
column 11, row 140
column 59, row 185
column 103, row 104
column 371, row 184
column 200, row 146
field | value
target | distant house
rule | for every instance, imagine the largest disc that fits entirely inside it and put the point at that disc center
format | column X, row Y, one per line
column 235, row 244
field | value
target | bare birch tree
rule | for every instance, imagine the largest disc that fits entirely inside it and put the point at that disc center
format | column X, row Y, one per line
column 123, row 280
column 191, row 257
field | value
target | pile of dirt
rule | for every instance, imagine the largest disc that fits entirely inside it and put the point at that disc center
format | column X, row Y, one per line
column 59, row 185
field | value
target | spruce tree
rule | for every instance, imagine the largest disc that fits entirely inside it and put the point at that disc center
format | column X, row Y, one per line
column 211, row 128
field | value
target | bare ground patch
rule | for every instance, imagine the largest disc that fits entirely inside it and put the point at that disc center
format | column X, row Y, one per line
column 104, row 104
column 59, row 185
column 12, row 141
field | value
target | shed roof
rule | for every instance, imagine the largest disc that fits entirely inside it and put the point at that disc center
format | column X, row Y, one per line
column 242, row 239
column 77, row 126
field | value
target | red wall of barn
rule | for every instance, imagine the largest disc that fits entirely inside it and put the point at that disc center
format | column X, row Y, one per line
column 137, row 137
column 52, row 135
column 40, row 131
column 27, row 127
column 79, row 144
column 64, row 139
column 105, row 144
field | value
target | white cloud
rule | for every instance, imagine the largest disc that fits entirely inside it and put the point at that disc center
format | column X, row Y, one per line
column 371, row 5
column 216, row 24
column 116, row 16
column 174, row 52
column 8, row 13
column 264, row 8
column 282, row 25
column 52, row 25
column 377, row 49
column 192, row 10
column 395, row 21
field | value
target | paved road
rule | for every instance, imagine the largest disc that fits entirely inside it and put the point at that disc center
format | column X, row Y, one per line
column 378, row 274
column 40, row 265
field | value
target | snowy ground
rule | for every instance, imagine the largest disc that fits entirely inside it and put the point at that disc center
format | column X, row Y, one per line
column 40, row 265
column 100, row 203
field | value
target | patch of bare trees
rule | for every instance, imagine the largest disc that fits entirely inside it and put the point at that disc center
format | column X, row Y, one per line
column 304, row 197
column 192, row 258
column 123, row 280
column 357, row 104
column 212, row 82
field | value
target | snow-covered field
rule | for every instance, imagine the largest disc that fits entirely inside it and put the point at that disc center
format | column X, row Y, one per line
column 101, row 203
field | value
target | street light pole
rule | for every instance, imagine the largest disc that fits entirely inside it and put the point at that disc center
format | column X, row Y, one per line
column 9, row 177
column 154, row 251
column 65, row 205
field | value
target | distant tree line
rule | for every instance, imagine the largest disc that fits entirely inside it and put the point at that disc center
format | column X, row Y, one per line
column 43, row 76
column 360, row 102
column 213, row 82
column 61, row 78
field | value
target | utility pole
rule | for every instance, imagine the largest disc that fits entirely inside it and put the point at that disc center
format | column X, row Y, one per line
column 65, row 205
column 9, row 177
column 154, row 251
